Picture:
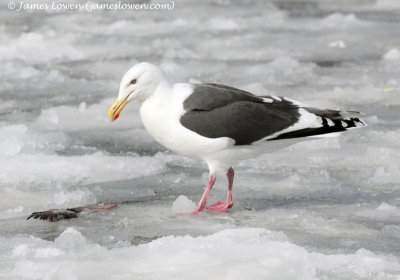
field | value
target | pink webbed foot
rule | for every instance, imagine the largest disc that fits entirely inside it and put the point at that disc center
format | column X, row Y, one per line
column 101, row 206
column 218, row 203
column 220, row 206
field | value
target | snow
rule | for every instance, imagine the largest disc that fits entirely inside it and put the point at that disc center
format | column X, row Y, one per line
column 183, row 205
column 324, row 209
column 34, row 47
column 245, row 253
column 337, row 44
column 392, row 54
column 338, row 20
column 388, row 4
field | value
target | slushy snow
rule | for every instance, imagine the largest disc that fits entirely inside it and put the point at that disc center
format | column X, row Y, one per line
column 326, row 209
column 183, row 205
column 245, row 253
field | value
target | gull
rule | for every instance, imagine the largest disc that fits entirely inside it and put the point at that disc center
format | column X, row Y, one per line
column 222, row 125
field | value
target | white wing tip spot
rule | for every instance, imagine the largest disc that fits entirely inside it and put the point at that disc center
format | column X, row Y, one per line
column 330, row 122
column 277, row 98
column 267, row 100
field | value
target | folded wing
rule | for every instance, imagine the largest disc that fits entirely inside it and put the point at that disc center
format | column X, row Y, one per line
column 215, row 111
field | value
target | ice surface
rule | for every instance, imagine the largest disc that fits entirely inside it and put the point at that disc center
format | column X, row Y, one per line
column 183, row 205
column 325, row 209
column 245, row 253
column 392, row 54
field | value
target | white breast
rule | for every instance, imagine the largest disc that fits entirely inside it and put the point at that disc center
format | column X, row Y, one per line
column 161, row 115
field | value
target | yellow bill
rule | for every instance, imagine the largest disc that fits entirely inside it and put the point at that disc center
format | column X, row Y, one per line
column 116, row 108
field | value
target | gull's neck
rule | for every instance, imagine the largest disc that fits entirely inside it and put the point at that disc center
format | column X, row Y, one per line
column 163, row 88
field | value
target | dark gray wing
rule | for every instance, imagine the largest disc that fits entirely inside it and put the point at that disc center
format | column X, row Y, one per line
column 55, row 215
column 207, row 97
column 214, row 111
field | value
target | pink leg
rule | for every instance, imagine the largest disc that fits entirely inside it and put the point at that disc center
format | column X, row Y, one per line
column 222, row 206
column 202, row 203
column 101, row 206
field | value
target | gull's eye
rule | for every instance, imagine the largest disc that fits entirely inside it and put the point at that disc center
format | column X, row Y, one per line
column 133, row 82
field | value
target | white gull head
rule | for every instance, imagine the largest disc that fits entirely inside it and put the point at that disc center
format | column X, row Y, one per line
column 138, row 83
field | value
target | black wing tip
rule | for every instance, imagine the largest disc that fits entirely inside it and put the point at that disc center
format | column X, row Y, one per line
column 339, row 125
column 333, row 114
